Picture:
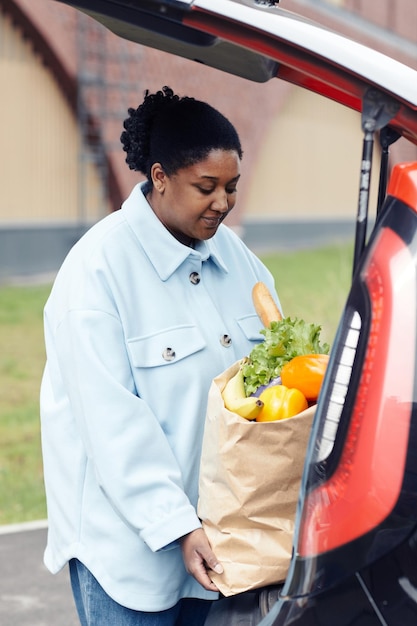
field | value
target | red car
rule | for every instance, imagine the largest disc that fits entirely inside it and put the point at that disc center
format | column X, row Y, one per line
column 355, row 544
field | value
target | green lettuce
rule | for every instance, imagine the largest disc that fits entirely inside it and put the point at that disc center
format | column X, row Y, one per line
column 283, row 341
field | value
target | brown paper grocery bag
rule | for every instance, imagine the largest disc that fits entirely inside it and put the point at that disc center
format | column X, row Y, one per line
column 249, row 482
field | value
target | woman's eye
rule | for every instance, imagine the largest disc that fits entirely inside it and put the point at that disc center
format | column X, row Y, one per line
column 207, row 192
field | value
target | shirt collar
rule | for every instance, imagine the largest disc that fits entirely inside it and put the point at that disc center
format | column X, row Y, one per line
column 164, row 251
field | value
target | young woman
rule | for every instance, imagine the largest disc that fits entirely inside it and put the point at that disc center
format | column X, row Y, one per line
column 150, row 305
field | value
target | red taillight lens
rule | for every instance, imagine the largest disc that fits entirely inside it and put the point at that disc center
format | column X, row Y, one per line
column 366, row 484
column 403, row 183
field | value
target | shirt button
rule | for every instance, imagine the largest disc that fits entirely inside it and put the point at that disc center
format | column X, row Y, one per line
column 168, row 354
column 194, row 278
column 226, row 341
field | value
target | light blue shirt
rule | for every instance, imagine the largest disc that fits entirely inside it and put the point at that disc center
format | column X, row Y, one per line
column 136, row 327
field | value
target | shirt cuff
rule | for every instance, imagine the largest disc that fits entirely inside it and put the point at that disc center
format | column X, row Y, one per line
column 167, row 531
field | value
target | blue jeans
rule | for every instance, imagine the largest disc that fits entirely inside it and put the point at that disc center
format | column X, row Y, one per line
column 96, row 608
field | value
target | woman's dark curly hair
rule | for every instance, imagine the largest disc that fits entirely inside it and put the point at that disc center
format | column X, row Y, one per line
column 175, row 132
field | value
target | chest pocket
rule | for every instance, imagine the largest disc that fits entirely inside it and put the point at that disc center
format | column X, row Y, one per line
column 165, row 347
column 251, row 326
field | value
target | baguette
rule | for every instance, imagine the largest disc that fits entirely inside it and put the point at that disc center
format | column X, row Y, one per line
column 265, row 305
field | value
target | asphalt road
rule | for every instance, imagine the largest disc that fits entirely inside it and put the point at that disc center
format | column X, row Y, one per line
column 29, row 594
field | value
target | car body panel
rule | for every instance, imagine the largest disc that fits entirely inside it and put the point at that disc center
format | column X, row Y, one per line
column 260, row 43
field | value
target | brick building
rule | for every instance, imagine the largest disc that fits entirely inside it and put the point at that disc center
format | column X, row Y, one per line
column 67, row 84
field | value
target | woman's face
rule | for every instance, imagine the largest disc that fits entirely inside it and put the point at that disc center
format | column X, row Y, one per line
column 194, row 201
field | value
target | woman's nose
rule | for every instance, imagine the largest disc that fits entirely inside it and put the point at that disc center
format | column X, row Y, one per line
column 220, row 202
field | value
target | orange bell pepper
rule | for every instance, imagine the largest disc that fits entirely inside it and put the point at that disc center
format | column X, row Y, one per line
column 306, row 373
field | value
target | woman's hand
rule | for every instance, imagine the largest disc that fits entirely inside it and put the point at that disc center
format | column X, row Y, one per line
column 199, row 557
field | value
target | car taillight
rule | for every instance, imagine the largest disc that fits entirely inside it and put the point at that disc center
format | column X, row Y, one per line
column 365, row 485
column 358, row 497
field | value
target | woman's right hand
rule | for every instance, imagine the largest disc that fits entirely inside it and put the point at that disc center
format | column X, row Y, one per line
column 199, row 558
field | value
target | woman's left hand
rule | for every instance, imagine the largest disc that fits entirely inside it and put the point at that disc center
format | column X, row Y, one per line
column 199, row 557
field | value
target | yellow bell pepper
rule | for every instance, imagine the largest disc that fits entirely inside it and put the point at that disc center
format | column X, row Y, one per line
column 280, row 402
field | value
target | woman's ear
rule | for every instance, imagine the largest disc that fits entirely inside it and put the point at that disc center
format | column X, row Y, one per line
column 158, row 177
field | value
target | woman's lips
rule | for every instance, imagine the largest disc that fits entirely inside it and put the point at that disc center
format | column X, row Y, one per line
column 212, row 222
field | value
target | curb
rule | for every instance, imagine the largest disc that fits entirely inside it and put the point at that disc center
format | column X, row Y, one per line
column 23, row 527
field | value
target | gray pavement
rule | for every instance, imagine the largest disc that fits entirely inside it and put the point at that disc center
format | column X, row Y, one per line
column 29, row 594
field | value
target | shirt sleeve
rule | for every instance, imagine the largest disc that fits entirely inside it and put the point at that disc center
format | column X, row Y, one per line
column 133, row 462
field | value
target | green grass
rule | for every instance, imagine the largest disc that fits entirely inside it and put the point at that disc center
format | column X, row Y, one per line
column 21, row 362
column 312, row 285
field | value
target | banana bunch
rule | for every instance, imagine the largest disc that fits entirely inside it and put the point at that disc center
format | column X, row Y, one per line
column 235, row 399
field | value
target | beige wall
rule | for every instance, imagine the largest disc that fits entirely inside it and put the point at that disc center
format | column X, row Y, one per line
column 302, row 153
column 39, row 142
column 310, row 160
